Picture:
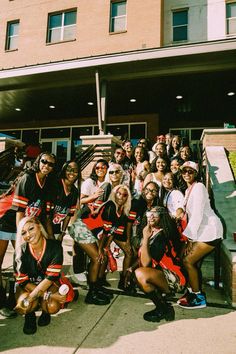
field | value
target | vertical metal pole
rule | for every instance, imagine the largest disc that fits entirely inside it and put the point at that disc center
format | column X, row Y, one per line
column 101, row 132
column 103, row 104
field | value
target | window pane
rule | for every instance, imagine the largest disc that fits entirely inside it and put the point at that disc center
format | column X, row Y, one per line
column 180, row 33
column 180, row 18
column 231, row 26
column 118, row 24
column 55, row 35
column 137, row 131
column 13, row 43
column 30, row 136
column 13, row 29
column 55, row 133
column 69, row 33
column 70, row 18
column 120, row 131
column 55, row 21
column 231, row 10
column 119, row 8
column 12, row 133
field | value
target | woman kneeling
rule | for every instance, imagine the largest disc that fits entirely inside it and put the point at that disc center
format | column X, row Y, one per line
column 161, row 272
column 38, row 263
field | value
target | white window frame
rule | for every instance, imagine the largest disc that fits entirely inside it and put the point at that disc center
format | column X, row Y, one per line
column 61, row 28
column 114, row 18
column 229, row 20
column 12, row 38
column 178, row 26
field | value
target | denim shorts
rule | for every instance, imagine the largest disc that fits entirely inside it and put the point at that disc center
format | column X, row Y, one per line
column 7, row 236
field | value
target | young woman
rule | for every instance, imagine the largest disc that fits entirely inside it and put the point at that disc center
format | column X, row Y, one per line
column 157, row 174
column 115, row 216
column 33, row 193
column 203, row 231
column 185, row 153
column 175, row 165
column 65, row 200
column 38, row 266
column 116, row 175
column 161, row 272
column 171, row 198
column 175, row 146
column 141, row 169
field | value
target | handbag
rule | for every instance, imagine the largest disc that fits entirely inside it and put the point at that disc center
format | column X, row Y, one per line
column 112, row 264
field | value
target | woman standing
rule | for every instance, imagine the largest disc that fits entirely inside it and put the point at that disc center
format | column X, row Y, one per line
column 161, row 272
column 66, row 197
column 171, row 198
column 33, row 194
column 204, row 232
column 141, row 169
column 158, row 173
column 38, row 266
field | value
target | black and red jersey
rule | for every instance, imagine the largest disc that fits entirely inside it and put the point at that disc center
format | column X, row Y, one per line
column 114, row 223
column 64, row 203
column 31, row 197
column 48, row 266
column 164, row 256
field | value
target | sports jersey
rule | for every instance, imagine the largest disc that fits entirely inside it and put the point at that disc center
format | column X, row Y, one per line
column 64, row 204
column 31, row 197
column 48, row 266
column 164, row 256
column 114, row 224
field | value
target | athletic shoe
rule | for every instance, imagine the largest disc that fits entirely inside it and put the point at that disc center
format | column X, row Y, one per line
column 195, row 301
column 30, row 326
column 184, row 299
column 79, row 278
column 44, row 319
column 157, row 315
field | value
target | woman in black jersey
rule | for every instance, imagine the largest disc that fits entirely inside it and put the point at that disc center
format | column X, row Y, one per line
column 115, row 215
column 66, row 197
column 33, row 193
column 161, row 271
column 38, row 264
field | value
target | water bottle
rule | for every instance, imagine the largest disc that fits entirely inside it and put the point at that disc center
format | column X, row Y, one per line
column 63, row 290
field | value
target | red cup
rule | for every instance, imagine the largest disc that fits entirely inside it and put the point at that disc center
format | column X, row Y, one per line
column 234, row 236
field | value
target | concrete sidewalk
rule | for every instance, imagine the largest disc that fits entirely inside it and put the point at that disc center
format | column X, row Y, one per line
column 120, row 328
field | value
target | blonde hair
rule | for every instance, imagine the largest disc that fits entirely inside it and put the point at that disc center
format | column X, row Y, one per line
column 127, row 205
column 19, row 238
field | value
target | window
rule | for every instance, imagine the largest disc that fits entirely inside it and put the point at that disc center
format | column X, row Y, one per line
column 118, row 16
column 231, row 18
column 12, row 35
column 180, row 25
column 61, row 26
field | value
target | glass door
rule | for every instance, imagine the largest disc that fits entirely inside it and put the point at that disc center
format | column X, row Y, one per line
column 60, row 147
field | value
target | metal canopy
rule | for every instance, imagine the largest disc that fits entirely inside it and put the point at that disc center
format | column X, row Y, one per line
column 202, row 74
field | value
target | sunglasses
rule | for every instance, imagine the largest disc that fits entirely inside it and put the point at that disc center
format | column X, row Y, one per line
column 150, row 214
column 120, row 153
column 72, row 170
column 104, row 167
column 189, row 172
column 117, row 172
column 46, row 162
column 148, row 190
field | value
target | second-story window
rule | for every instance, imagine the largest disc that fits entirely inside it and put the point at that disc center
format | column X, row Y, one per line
column 118, row 16
column 180, row 25
column 61, row 26
column 12, row 35
column 231, row 18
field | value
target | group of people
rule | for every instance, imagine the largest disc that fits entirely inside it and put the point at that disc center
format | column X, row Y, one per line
column 148, row 201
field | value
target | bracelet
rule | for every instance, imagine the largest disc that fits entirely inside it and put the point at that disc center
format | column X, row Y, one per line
column 47, row 295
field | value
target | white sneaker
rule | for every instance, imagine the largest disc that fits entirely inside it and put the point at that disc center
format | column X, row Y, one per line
column 79, row 277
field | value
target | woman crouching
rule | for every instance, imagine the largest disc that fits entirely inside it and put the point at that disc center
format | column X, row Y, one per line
column 161, row 272
column 38, row 263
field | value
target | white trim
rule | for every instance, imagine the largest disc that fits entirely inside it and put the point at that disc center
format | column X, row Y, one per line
column 141, row 55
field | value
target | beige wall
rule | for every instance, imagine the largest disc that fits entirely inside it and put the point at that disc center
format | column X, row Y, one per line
column 93, row 38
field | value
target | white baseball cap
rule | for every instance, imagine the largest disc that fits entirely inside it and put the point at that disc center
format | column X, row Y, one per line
column 190, row 164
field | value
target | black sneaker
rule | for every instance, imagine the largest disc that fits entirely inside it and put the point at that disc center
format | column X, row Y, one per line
column 157, row 315
column 96, row 299
column 30, row 326
column 44, row 319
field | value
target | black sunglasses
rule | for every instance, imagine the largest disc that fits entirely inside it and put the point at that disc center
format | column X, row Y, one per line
column 46, row 162
column 112, row 172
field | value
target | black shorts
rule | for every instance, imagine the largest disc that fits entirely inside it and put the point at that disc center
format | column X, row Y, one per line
column 214, row 243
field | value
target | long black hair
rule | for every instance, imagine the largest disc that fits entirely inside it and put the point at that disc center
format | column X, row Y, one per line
column 93, row 174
